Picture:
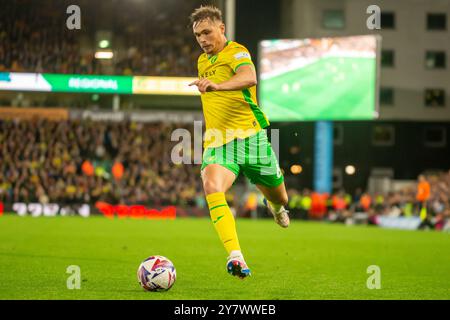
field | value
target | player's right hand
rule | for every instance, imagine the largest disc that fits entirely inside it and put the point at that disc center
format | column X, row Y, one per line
column 205, row 85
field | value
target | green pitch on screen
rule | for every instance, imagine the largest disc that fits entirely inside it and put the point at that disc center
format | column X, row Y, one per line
column 333, row 88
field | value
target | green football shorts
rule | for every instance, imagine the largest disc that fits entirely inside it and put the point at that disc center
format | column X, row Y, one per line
column 253, row 156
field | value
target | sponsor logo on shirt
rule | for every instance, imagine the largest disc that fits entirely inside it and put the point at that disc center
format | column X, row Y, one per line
column 208, row 74
column 242, row 55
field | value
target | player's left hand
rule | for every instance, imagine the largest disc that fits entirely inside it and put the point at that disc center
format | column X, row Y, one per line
column 205, row 85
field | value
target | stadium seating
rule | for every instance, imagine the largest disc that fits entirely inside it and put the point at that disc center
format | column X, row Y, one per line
column 46, row 162
column 70, row 162
column 145, row 42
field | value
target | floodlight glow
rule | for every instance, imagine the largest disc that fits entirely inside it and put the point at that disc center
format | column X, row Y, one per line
column 104, row 55
column 103, row 44
column 350, row 170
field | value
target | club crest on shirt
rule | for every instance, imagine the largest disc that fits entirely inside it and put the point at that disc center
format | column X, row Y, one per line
column 213, row 59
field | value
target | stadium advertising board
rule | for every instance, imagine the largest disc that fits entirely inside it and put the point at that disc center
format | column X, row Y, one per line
column 136, row 116
column 406, row 223
column 50, row 209
column 36, row 210
column 164, row 85
column 98, row 84
column 54, row 114
column 47, row 82
column 135, row 211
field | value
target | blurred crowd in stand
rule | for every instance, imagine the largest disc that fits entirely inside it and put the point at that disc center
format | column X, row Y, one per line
column 73, row 162
column 428, row 199
column 148, row 38
column 85, row 162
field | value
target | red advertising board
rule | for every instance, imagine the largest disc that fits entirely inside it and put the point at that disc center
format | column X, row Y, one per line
column 135, row 211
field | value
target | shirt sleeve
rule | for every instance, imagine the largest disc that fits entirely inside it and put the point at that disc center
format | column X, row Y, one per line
column 240, row 57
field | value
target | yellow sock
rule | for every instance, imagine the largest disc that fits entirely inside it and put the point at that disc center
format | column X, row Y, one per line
column 223, row 221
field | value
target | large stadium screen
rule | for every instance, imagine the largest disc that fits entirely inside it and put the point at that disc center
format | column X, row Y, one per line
column 320, row 79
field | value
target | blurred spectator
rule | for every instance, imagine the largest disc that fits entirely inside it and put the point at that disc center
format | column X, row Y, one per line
column 318, row 205
column 422, row 196
column 423, row 192
column 367, row 208
column 339, row 207
column 250, row 204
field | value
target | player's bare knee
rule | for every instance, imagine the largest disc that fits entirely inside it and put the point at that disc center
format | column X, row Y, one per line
column 211, row 186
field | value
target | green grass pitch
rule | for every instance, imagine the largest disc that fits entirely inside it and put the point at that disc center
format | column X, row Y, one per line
column 329, row 89
column 309, row 260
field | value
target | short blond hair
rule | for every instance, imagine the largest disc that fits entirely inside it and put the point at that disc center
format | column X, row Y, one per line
column 206, row 12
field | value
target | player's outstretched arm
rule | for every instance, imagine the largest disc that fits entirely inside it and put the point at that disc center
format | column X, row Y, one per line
column 245, row 77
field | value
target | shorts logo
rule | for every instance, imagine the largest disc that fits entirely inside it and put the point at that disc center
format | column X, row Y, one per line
column 278, row 171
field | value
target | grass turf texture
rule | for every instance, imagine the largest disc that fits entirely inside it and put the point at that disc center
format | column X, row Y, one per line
column 329, row 89
column 306, row 261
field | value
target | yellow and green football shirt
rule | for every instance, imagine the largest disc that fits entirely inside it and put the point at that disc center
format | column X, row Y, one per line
column 229, row 114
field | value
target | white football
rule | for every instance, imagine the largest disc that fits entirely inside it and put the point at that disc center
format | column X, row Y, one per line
column 156, row 273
